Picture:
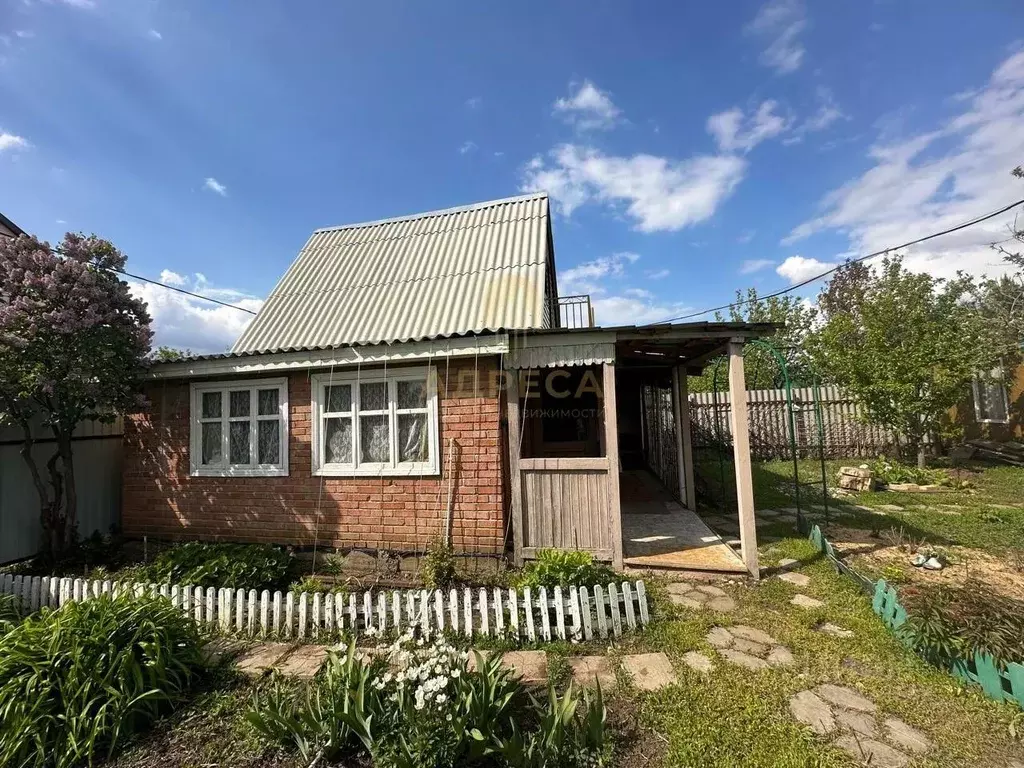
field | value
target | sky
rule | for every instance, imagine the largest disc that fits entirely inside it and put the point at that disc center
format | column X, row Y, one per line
column 690, row 149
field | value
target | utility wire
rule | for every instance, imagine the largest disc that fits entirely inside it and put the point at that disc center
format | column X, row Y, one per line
column 179, row 290
column 827, row 272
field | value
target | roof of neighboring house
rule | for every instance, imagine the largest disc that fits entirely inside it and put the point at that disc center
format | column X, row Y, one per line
column 7, row 224
column 473, row 269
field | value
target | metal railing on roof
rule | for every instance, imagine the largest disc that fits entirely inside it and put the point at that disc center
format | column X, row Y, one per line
column 575, row 312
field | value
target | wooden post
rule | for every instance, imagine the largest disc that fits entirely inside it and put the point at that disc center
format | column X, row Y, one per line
column 514, row 431
column 741, row 457
column 684, row 438
column 611, row 442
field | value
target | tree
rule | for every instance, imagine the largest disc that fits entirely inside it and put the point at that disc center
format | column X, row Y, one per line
column 73, row 341
column 165, row 354
column 794, row 318
column 904, row 344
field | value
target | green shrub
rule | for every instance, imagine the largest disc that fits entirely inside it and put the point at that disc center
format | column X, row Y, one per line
column 554, row 567
column 201, row 564
column 76, row 681
column 893, row 471
column 10, row 612
column 438, row 571
column 947, row 623
column 313, row 584
column 423, row 707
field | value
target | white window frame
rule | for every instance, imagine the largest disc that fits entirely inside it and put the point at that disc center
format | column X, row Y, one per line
column 997, row 374
column 226, row 469
column 375, row 469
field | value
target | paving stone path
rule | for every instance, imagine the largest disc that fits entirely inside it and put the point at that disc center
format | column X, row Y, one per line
column 701, row 596
column 649, row 671
column 749, row 647
column 858, row 727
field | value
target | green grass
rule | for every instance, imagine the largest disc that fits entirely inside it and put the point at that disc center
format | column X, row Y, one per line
column 739, row 718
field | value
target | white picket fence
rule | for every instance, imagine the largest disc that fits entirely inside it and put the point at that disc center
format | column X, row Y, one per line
column 573, row 613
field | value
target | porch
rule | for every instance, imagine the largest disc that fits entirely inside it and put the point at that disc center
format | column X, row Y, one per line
column 600, row 453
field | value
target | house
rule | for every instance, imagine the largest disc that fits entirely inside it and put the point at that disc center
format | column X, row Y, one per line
column 419, row 378
column 8, row 228
column 994, row 409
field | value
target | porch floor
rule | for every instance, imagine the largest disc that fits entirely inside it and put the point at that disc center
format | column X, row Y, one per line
column 658, row 532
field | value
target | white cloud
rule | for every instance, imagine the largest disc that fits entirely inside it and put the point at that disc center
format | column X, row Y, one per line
column 827, row 113
column 9, row 141
column 215, row 186
column 589, row 108
column 24, row 34
column 780, row 23
column 657, row 274
column 734, row 131
column 610, row 311
column 155, row 35
column 750, row 266
column 474, row 102
column 659, row 193
column 467, row 147
column 586, row 277
column 172, row 278
column 796, row 269
column 87, row 4
column 745, row 236
column 936, row 179
column 188, row 323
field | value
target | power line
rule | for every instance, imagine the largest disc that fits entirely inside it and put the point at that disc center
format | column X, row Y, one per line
column 179, row 290
column 827, row 272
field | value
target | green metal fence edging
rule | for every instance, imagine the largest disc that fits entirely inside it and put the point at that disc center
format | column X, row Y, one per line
column 1001, row 682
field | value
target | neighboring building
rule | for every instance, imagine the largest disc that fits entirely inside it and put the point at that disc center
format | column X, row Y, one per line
column 995, row 408
column 8, row 228
column 412, row 379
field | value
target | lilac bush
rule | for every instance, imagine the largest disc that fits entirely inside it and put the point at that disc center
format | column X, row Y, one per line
column 73, row 341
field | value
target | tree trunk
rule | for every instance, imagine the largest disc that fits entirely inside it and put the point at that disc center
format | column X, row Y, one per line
column 921, row 463
column 54, row 519
column 70, row 490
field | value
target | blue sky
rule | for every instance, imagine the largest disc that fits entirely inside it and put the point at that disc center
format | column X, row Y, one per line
column 691, row 148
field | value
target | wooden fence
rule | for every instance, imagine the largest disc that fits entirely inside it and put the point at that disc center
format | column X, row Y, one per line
column 845, row 432
column 574, row 614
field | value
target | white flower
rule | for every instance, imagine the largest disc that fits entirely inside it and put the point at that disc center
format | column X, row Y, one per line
column 863, row 466
column 455, row 672
column 441, row 698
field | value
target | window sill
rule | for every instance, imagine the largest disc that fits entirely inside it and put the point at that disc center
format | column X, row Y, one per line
column 993, row 421
column 418, row 471
column 240, row 472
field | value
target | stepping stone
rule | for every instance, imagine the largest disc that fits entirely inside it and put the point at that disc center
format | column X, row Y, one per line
column 752, row 633
column 749, row 646
column 304, row 662
column 872, row 753
column 789, row 562
column 587, row 669
column 766, row 513
column 803, row 601
column 906, row 737
column 890, row 507
column 834, row 630
column 810, row 710
column 744, row 659
column 858, row 722
column 709, row 589
column 722, row 604
column 780, row 656
column 698, row 661
column 687, row 602
column 797, row 579
column 720, row 637
column 650, row 671
column 259, row 659
column 845, row 697
column 679, row 588
column 530, row 666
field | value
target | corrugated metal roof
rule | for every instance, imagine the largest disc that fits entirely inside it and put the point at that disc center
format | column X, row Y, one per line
column 462, row 270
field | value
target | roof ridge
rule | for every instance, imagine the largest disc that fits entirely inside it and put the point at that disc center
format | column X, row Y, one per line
column 422, row 279
column 441, row 212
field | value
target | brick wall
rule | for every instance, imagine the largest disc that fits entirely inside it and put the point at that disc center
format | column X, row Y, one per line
column 162, row 500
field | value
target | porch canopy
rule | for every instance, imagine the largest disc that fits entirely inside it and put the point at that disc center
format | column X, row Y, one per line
column 585, row 405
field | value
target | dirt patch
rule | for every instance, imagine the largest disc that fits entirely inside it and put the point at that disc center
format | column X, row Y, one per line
column 871, row 555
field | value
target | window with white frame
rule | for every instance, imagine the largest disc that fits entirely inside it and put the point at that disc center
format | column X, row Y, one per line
column 375, row 423
column 991, row 403
column 240, row 428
